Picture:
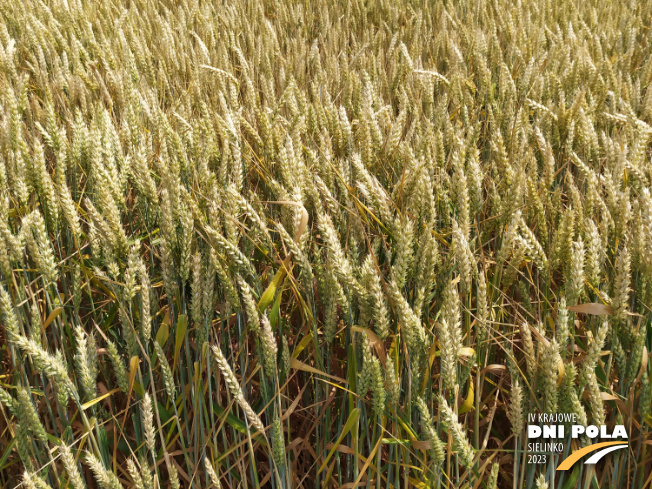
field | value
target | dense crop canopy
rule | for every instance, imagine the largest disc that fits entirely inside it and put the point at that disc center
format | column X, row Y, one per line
column 310, row 244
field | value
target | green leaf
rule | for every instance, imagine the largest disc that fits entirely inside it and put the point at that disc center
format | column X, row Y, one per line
column 572, row 480
column 275, row 313
column 350, row 423
column 163, row 333
column 179, row 335
column 268, row 296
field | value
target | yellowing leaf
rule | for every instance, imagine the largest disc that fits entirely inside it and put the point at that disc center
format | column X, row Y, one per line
column 467, row 352
column 432, row 353
column 593, row 308
column 133, row 369
column 373, row 339
column 52, row 317
column 302, row 224
column 88, row 404
column 494, row 368
column 299, row 365
column 467, row 405
column 605, row 396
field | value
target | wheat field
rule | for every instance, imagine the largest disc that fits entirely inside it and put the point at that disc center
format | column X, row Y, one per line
column 322, row 244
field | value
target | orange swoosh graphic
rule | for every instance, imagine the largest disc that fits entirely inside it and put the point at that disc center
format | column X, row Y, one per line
column 575, row 456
